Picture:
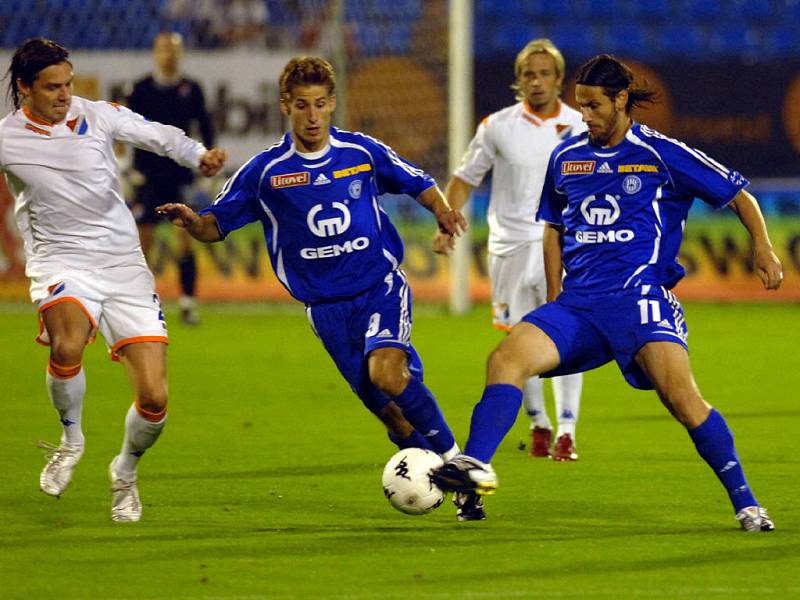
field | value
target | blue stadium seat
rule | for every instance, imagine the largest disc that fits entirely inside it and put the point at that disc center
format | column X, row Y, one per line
column 647, row 12
column 631, row 40
column 511, row 38
column 682, row 40
column 577, row 41
column 782, row 41
column 703, row 10
column 735, row 41
column 756, row 10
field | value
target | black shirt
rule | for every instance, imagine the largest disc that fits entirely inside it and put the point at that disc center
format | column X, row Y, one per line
column 181, row 105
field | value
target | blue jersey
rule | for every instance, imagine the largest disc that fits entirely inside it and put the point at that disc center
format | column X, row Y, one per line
column 327, row 236
column 623, row 209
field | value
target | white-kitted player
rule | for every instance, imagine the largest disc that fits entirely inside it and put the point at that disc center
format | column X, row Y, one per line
column 83, row 257
column 515, row 144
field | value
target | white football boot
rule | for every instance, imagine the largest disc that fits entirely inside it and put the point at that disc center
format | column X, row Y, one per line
column 61, row 463
column 125, row 503
column 755, row 518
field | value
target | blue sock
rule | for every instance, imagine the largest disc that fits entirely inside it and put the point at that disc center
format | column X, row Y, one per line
column 492, row 419
column 714, row 442
column 415, row 440
column 421, row 410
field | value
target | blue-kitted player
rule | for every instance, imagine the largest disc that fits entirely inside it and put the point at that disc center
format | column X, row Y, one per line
column 333, row 247
column 616, row 199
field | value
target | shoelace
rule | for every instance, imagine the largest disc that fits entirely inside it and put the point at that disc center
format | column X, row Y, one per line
column 53, row 453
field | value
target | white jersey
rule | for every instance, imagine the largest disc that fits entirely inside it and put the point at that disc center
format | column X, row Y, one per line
column 516, row 143
column 65, row 178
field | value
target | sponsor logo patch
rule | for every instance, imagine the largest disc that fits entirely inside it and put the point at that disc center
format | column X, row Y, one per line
column 290, row 179
column 631, row 184
column 355, row 189
column 577, row 167
column 605, row 168
column 637, row 169
column 363, row 168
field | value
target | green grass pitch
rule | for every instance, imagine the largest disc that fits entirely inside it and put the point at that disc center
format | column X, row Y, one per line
column 266, row 482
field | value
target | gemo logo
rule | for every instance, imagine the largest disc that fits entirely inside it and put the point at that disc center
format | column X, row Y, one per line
column 604, row 213
column 328, row 226
column 347, row 247
column 602, row 237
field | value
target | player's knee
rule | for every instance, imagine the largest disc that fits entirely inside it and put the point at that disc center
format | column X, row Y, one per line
column 66, row 350
column 389, row 376
column 152, row 399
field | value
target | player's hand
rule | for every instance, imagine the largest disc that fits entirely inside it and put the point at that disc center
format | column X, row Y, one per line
column 451, row 221
column 768, row 266
column 443, row 243
column 178, row 214
column 212, row 161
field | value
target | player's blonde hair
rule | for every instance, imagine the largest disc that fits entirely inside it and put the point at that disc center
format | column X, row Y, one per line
column 537, row 46
column 306, row 70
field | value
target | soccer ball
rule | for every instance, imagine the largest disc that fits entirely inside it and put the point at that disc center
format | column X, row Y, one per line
column 407, row 481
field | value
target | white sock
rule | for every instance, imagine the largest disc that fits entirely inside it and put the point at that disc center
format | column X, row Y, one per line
column 67, row 398
column 140, row 434
column 567, row 392
column 451, row 453
column 533, row 399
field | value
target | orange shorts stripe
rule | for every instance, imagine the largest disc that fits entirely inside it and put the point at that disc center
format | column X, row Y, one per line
column 49, row 305
column 151, row 416
column 160, row 339
column 62, row 371
column 501, row 327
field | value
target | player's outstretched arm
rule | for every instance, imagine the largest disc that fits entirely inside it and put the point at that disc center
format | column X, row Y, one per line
column 450, row 220
column 767, row 265
column 212, row 161
column 203, row 228
column 553, row 260
column 456, row 194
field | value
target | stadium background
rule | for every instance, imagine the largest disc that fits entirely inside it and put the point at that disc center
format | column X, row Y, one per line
column 729, row 74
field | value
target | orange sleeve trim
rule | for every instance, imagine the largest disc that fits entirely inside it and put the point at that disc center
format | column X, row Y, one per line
column 49, row 305
column 159, row 339
column 63, row 371
column 151, row 416
column 505, row 328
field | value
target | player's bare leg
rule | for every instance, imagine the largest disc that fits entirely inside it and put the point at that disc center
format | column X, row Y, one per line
column 388, row 371
column 146, row 365
column 69, row 329
column 527, row 351
column 667, row 365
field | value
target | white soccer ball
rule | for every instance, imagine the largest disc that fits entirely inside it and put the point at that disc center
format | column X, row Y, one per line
column 407, row 481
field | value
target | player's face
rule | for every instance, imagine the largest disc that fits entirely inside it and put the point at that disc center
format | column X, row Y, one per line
column 167, row 53
column 539, row 80
column 605, row 117
column 309, row 108
column 50, row 95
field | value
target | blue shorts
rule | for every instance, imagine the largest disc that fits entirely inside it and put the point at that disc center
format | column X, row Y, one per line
column 590, row 331
column 351, row 329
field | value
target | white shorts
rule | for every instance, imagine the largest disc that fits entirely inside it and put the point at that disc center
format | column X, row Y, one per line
column 120, row 302
column 518, row 284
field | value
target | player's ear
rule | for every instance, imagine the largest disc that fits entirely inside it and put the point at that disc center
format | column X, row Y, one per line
column 621, row 100
column 285, row 107
column 332, row 102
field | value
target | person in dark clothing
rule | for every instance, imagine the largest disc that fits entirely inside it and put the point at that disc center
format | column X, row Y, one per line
column 167, row 96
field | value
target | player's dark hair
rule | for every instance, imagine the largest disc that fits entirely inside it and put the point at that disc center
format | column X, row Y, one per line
column 614, row 76
column 33, row 56
column 306, row 70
